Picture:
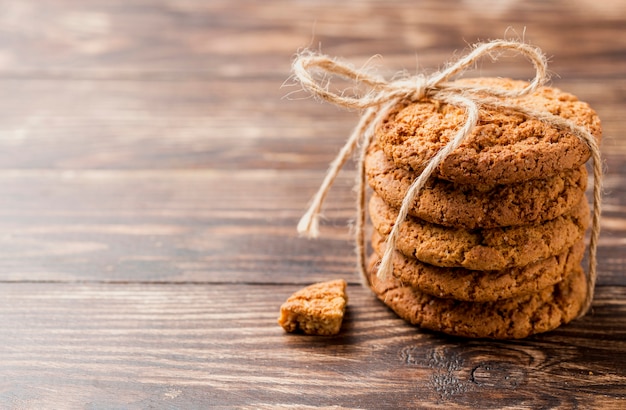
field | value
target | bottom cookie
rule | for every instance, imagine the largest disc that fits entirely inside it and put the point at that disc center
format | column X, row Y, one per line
column 513, row 318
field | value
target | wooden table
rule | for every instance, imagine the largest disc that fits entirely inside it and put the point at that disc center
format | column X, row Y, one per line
column 153, row 168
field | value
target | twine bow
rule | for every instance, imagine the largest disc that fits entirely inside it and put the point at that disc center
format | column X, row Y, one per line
column 384, row 95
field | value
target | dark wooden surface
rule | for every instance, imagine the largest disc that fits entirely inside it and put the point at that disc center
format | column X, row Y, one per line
column 152, row 174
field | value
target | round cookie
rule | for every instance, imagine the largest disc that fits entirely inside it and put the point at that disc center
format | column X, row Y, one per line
column 482, row 286
column 481, row 249
column 513, row 318
column 445, row 203
column 505, row 147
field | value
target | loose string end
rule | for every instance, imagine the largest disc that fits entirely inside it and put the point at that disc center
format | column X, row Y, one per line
column 385, row 268
column 309, row 224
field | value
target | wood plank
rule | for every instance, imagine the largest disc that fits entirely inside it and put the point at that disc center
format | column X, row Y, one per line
column 148, row 345
column 180, row 125
column 164, row 226
column 167, row 38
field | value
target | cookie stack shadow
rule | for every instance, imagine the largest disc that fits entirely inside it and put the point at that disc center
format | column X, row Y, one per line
column 489, row 252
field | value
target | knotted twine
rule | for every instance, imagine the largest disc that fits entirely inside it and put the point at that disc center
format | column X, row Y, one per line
column 384, row 95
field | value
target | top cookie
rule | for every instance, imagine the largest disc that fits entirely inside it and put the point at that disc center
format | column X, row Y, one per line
column 505, row 147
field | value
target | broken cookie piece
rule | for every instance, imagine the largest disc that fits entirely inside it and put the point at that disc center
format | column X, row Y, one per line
column 315, row 310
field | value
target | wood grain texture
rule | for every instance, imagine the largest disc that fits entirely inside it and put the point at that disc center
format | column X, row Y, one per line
column 222, row 38
column 176, row 346
column 155, row 159
column 90, row 124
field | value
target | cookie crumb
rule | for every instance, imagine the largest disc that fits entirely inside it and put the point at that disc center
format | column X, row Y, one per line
column 317, row 309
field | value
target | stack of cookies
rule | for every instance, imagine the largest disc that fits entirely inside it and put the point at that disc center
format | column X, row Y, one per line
column 494, row 242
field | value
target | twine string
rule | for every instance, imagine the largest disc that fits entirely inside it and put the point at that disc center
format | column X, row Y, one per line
column 384, row 95
column 386, row 263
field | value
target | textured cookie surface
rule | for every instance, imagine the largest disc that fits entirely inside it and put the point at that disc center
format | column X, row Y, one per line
column 482, row 286
column 481, row 249
column 506, row 319
column 445, row 203
column 317, row 309
column 505, row 147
